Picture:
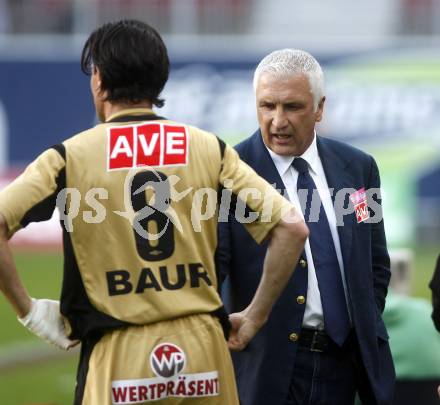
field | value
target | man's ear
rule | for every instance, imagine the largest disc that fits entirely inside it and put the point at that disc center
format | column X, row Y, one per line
column 320, row 110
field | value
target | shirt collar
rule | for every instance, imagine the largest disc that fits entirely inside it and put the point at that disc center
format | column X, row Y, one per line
column 283, row 163
column 131, row 111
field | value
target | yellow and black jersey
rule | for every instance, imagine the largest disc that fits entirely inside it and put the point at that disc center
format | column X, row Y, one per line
column 139, row 208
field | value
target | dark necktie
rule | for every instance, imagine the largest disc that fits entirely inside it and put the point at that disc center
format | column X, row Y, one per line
column 328, row 273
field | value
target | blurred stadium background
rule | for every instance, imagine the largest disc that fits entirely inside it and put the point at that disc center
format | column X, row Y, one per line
column 382, row 66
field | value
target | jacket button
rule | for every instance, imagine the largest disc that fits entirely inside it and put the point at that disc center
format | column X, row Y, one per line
column 300, row 299
column 303, row 263
column 293, row 337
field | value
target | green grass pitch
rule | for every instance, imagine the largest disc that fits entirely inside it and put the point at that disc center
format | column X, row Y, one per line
column 50, row 380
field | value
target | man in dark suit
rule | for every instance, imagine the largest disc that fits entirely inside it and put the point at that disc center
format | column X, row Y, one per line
column 435, row 288
column 325, row 339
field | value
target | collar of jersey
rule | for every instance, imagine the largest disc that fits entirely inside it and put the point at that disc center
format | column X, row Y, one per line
column 133, row 114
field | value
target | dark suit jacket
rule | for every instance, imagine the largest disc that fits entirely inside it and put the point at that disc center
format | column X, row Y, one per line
column 435, row 288
column 264, row 368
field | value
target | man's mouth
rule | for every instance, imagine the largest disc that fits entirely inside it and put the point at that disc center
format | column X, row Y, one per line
column 282, row 136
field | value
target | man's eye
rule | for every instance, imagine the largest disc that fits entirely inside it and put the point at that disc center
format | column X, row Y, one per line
column 292, row 106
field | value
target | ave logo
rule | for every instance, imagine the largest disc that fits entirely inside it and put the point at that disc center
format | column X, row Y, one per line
column 150, row 144
column 167, row 360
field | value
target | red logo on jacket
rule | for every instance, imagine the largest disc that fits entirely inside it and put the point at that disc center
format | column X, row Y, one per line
column 359, row 200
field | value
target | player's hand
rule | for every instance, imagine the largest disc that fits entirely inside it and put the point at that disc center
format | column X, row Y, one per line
column 45, row 320
column 242, row 331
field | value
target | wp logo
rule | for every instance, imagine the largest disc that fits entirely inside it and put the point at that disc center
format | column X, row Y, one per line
column 167, row 360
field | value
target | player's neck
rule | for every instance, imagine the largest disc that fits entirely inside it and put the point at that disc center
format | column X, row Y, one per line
column 110, row 109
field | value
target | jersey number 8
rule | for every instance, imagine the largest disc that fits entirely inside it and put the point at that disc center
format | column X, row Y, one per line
column 156, row 221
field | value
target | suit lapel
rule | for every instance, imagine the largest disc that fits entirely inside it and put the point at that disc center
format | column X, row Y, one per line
column 337, row 173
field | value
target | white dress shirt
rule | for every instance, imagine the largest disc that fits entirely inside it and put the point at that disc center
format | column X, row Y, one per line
column 313, row 315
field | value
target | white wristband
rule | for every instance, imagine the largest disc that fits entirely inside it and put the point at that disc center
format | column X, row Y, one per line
column 45, row 320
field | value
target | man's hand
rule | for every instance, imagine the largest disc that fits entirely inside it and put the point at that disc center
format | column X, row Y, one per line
column 242, row 331
column 45, row 320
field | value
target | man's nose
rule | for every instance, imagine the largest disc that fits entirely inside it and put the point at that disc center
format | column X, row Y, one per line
column 279, row 120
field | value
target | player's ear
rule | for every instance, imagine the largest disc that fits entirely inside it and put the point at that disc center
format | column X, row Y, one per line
column 96, row 77
column 96, row 82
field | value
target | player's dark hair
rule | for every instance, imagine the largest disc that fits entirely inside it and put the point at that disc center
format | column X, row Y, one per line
column 132, row 60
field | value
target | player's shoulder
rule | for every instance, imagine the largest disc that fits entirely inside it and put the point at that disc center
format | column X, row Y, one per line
column 69, row 144
column 199, row 137
column 85, row 137
column 193, row 130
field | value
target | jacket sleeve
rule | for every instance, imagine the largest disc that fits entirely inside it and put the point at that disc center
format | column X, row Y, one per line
column 435, row 288
column 380, row 256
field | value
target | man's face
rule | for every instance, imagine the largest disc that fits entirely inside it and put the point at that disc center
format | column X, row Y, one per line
column 95, row 87
column 286, row 113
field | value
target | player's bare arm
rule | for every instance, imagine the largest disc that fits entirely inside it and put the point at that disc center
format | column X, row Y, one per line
column 42, row 317
column 10, row 283
column 286, row 243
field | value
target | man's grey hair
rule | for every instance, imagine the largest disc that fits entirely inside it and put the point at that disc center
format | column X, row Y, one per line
column 288, row 62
